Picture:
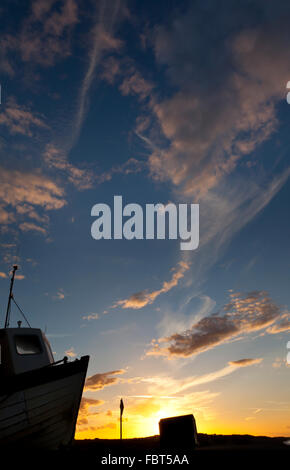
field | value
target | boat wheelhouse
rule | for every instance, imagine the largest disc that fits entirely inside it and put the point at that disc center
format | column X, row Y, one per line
column 39, row 398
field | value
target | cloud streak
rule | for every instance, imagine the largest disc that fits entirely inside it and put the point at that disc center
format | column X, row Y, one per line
column 179, row 386
column 99, row 381
column 102, row 39
column 143, row 298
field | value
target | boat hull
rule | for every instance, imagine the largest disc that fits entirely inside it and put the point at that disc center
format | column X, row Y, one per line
column 39, row 408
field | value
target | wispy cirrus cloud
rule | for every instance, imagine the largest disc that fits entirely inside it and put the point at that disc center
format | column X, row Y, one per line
column 161, row 385
column 211, row 377
column 282, row 326
column 243, row 315
column 101, row 40
column 108, row 15
column 176, row 394
column 143, row 298
column 173, row 322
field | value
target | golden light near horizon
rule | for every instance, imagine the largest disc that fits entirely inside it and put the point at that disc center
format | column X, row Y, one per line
column 214, row 414
column 150, row 423
column 137, row 427
column 141, row 418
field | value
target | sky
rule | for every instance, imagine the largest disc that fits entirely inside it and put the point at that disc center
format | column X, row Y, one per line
column 180, row 102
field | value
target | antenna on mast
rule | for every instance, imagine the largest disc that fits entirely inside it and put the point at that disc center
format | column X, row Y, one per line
column 121, row 418
column 15, row 267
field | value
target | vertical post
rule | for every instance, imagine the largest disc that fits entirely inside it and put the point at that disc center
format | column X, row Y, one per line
column 15, row 267
column 121, row 418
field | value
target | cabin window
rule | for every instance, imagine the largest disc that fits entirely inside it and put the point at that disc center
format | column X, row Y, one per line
column 27, row 344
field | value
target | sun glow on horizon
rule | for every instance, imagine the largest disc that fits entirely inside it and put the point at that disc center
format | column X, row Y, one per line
column 141, row 419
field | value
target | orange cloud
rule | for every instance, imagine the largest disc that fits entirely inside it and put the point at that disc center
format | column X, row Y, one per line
column 20, row 119
column 30, row 187
column 143, row 298
column 60, row 295
column 23, row 194
column 282, row 326
column 99, row 381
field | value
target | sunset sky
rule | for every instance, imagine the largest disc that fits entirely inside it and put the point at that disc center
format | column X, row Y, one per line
column 156, row 101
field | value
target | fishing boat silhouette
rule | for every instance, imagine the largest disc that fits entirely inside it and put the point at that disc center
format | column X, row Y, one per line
column 39, row 398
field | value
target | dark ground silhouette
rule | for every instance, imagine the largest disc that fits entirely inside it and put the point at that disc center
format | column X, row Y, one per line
column 228, row 451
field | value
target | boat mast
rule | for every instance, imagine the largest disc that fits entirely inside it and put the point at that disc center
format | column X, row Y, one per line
column 15, row 267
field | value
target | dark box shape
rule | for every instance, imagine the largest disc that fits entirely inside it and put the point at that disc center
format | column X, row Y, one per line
column 178, row 432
